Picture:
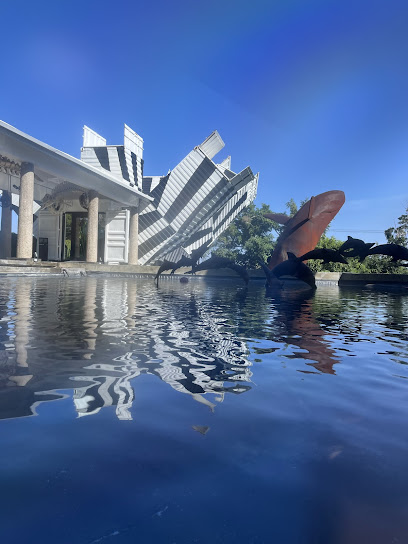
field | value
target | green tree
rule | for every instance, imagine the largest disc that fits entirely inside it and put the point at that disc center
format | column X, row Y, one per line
column 399, row 234
column 292, row 207
column 249, row 237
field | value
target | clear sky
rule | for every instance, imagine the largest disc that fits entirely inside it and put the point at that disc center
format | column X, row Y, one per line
column 312, row 94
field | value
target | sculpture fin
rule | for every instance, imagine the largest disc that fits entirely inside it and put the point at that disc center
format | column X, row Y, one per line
column 280, row 218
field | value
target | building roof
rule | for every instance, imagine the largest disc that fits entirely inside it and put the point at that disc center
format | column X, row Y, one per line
column 53, row 167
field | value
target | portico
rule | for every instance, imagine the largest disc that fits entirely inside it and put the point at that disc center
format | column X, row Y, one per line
column 51, row 184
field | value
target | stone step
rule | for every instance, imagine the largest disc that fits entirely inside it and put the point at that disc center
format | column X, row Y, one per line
column 29, row 270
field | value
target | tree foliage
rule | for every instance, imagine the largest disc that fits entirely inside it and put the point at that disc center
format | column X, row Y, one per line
column 249, row 237
column 399, row 234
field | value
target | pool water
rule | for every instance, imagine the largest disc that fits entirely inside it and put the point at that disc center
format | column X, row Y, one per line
column 201, row 413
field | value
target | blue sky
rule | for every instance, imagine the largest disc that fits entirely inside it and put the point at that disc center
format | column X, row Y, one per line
column 313, row 95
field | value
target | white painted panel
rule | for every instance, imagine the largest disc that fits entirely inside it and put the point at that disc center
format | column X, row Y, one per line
column 92, row 138
column 133, row 142
column 117, row 237
column 212, row 145
column 114, row 163
column 88, row 156
column 49, row 227
column 226, row 163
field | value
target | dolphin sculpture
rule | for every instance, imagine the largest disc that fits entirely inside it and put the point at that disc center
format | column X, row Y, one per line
column 291, row 267
column 327, row 255
column 167, row 265
column 271, row 279
column 196, row 254
column 354, row 247
column 397, row 252
column 216, row 262
column 184, row 261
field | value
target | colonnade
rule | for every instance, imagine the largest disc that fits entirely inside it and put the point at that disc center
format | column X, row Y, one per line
column 25, row 222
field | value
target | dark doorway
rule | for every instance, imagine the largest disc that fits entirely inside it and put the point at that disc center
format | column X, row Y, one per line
column 75, row 225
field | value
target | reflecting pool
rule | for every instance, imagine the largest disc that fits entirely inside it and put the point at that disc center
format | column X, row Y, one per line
column 201, row 413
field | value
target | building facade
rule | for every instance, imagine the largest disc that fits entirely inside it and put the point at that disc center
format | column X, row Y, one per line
column 103, row 208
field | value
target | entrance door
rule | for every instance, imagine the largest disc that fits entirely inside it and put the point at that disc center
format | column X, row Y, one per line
column 75, row 236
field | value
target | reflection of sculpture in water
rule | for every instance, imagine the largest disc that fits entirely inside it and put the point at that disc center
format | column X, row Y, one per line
column 297, row 326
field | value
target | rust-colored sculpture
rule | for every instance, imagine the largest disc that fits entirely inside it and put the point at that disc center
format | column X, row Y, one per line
column 303, row 231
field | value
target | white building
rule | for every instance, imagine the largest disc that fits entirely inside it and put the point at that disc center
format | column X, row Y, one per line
column 102, row 208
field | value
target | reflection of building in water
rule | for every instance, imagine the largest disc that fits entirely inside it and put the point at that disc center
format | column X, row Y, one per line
column 106, row 391
column 97, row 335
column 194, row 357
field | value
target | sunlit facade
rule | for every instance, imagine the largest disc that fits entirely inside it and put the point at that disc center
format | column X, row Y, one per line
column 103, row 208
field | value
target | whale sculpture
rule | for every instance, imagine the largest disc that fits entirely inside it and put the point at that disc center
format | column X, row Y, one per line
column 303, row 230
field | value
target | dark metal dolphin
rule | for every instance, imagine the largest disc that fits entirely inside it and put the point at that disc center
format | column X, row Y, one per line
column 397, row 252
column 216, row 262
column 167, row 265
column 292, row 267
column 354, row 247
column 196, row 254
column 327, row 255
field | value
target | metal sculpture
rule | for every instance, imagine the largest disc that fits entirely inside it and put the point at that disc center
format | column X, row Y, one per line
column 196, row 255
column 354, row 247
column 216, row 262
column 324, row 254
column 183, row 262
column 167, row 265
column 397, row 252
column 303, row 230
column 292, row 267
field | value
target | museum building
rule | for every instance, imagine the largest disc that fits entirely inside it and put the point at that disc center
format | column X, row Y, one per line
column 101, row 207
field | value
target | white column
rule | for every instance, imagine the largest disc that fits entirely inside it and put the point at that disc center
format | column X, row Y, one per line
column 25, row 212
column 92, row 238
column 133, row 236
